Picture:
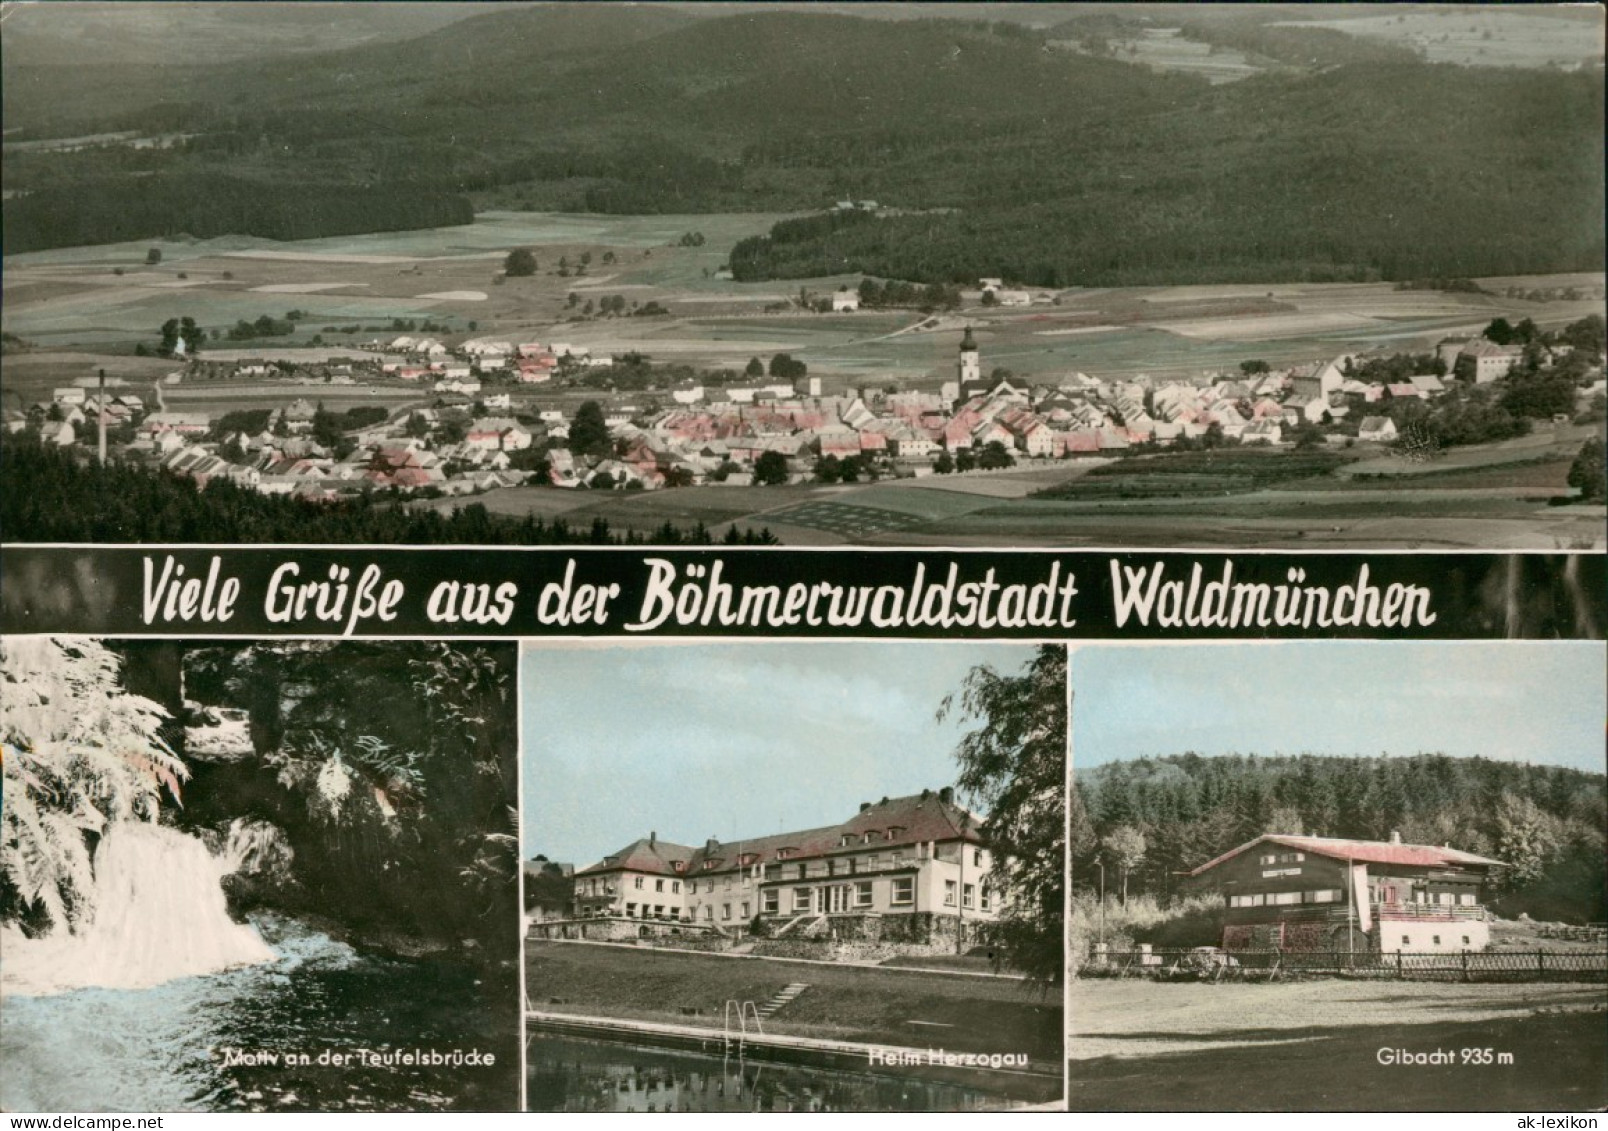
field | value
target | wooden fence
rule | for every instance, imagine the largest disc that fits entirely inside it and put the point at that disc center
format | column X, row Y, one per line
column 1211, row 964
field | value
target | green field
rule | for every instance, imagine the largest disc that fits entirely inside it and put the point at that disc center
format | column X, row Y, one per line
column 873, row 1005
column 72, row 297
column 1313, row 1046
column 1226, row 471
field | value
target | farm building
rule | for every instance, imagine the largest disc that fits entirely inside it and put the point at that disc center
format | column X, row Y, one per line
column 1324, row 893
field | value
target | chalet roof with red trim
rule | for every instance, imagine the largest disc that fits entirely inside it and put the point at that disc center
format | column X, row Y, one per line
column 1361, row 852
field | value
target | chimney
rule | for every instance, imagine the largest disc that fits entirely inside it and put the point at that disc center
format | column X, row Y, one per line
column 653, row 839
column 100, row 446
column 947, row 795
column 1395, row 836
column 864, row 805
column 711, row 844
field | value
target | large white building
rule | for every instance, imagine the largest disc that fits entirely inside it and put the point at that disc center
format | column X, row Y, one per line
column 917, row 856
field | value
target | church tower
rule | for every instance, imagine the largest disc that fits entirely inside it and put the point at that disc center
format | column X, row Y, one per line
column 971, row 368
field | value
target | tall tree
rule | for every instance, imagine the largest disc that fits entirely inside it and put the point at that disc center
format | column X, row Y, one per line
column 770, row 469
column 1013, row 766
column 1125, row 846
column 81, row 753
column 589, row 432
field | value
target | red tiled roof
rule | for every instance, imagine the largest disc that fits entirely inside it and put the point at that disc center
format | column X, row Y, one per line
column 1360, row 852
column 644, row 855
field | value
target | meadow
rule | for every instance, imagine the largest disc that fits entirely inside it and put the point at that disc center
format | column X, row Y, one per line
column 892, row 1005
column 1314, row 1046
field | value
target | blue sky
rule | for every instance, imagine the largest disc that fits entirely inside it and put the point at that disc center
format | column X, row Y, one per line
column 730, row 740
column 1519, row 701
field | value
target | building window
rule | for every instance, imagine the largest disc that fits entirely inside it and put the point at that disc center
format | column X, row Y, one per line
column 1247, row 900
column 1328, row 895
column 1268, row 859
column 968, row 895
column 1465, row 940
column 803, row 871
column 1283, row 898
column 977, row 858
column 638, row 884
column 658, row 885
column 801, row 899
column 949, row 893
column 675, row 887
column 1435, row 939
column 862, row 894
column 745, row 910
column 1444, row 898
column 709, row 886
column 725, row 911
column 772, row 902
column 1465, row 898
column 871, row 861
column 630, row 910
column 904, row 890
column 1405, row 940
column 709, row 913
column 988, row 899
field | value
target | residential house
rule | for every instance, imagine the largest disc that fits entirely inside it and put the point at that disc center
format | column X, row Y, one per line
column 1377, row 429
column 1490, row 360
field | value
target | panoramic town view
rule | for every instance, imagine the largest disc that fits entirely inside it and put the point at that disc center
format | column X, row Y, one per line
column 836, row 320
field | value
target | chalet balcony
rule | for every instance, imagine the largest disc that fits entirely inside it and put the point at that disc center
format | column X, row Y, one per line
column 1437, row 912
column 1341, row 912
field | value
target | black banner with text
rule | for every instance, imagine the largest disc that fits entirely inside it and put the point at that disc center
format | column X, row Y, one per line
column 636, row 592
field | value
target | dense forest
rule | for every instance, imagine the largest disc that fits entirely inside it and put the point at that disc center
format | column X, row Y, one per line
column 71, row 500
column 420, row 842
column 1346, row 160
column 114, row 209
column 1546, row 822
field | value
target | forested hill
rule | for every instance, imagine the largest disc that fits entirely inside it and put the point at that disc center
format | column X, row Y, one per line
column 1546, row 822
column 993, row 151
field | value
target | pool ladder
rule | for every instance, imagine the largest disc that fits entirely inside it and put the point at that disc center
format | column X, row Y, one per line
column 744, row 1010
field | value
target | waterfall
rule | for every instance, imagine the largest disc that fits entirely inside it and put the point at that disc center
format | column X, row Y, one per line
column 160, row 914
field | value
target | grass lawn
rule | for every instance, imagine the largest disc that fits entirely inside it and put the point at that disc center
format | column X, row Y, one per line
column 1267, row 521
column 1313, row 1046
column 1220, row 472
column 878, row 1006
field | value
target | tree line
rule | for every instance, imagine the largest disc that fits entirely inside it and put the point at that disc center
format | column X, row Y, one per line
column 114, row 209
column 68, row 499
column 1152, row 820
